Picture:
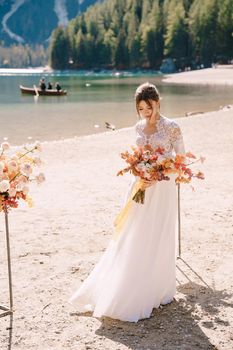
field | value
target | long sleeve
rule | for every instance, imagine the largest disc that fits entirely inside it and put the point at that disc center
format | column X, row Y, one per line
column 177, row 139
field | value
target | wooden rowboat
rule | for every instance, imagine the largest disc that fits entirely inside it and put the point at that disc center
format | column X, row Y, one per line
column 33, row 91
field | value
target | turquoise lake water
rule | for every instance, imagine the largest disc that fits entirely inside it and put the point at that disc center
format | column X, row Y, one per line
column 92, row 99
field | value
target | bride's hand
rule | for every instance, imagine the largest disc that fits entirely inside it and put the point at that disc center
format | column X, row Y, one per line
column 148, row 183
column 155, row 113
column 153, row 117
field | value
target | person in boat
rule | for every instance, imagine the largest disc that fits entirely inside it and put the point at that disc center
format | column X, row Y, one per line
column 42, row 84
column 50, row 86
column 58, row 86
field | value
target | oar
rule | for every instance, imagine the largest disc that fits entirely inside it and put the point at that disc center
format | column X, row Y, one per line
column 36, row 90
column 37, row 93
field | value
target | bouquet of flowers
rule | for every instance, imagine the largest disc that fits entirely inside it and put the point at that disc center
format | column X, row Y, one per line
column 16, row 172
column 152, row 165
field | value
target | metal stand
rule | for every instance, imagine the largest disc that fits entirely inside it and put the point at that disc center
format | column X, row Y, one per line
column 179, row 222
column 8, row 310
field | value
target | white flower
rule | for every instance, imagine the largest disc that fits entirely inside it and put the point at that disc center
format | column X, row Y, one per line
column 12, row 165
column 37, row 161
column 4, row 185
column 149, row 166
column 144, row 168
column 23, row 179
column 139, row 166
column 15, row 157
column 2, row 165
column 19, row 187
column 5, row 146
column 12, row 192
column 25, row 190
column 161, row 158
column 40, row 178
column 26, row 169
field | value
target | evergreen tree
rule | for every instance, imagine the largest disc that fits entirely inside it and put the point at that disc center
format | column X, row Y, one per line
column 133, row 40
column 176, row 37
column 225, row 30
column 80, row 48
column 108, row 48
column 59, row 49
column 152, row 34
column 121, row 53
column 203, row 29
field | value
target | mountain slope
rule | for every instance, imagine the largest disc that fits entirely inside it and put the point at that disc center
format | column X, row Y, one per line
column 31, row 22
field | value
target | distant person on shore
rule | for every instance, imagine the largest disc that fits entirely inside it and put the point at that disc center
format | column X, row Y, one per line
column 42, row 84
column 50, row 86
column 58, row 86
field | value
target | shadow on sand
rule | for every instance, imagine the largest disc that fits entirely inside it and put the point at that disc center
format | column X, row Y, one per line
column 174, row 326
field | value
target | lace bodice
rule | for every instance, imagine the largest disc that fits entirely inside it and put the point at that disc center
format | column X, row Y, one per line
column 168, row 136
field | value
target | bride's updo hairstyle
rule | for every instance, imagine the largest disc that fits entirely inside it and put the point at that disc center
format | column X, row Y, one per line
column 146, row 92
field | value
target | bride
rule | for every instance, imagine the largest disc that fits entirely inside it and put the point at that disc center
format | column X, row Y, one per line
column 137, row 271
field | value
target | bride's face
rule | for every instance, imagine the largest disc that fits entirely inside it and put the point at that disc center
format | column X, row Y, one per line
column 147, row 111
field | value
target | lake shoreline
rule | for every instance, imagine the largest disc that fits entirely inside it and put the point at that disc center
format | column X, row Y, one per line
column 86, row 72
column 93, row 101
column 210, row 76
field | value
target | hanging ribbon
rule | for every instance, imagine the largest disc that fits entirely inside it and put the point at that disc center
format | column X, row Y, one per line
column 123, row 215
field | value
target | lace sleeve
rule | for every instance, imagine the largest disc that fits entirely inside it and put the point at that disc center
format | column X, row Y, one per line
column 137, row 127
column 177, row 139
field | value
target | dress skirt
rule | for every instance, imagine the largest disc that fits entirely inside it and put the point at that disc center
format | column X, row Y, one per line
column 137, row 271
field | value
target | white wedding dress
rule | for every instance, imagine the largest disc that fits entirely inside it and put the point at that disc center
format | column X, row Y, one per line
column 137, row 272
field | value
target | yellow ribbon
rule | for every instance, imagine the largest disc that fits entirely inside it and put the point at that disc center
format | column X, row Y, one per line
column 122, row 216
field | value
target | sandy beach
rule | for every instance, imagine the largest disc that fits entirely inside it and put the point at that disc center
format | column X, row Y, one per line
column 220, row 75
column 56, row 244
